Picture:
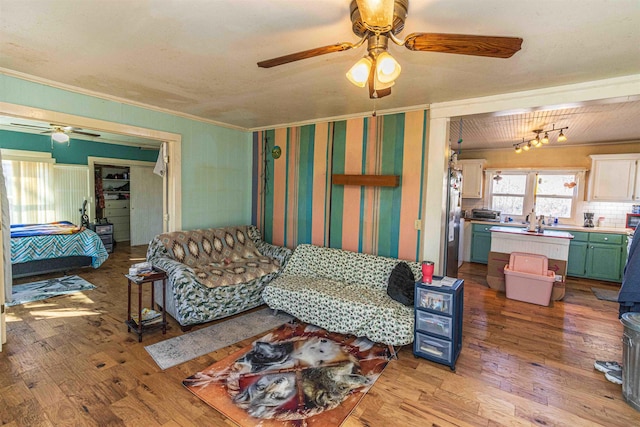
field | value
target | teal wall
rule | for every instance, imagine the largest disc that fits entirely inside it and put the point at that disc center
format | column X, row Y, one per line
column 216, row 161
column 76, row 152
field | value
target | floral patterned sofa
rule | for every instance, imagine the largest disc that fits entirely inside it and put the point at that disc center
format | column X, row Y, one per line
column 343, row 292
column 214, row 273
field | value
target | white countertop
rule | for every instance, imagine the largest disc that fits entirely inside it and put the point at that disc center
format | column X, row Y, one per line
column 559, row 227
column 523, row 232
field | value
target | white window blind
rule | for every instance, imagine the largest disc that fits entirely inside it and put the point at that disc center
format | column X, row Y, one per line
column 71, row 188
column 30, row 191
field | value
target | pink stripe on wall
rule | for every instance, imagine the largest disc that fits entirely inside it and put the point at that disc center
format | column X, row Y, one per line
column 411, row 164
column 372, row 167
column 293, row 158
column 279, row 188
column 352, row 194
column 320, row 171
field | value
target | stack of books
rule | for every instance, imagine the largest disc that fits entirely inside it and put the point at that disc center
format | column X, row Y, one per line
column 149, row 316
column 140, row 269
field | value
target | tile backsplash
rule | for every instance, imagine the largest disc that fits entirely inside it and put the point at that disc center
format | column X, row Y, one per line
column 615, row 214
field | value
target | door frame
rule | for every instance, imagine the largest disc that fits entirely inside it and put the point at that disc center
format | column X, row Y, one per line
column 173, row 212
column 173, row 176
column 92, row 161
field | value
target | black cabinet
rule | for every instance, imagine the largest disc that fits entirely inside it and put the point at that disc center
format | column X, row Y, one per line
column 105, row 232
column 438, row 322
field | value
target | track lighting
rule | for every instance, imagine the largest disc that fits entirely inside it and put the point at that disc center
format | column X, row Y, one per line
column 561, row 137
column 538, row 141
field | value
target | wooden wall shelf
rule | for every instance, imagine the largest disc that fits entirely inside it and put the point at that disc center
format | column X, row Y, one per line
column 369, row 180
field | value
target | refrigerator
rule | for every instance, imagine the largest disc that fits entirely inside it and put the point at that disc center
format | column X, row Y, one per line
column 452, row 228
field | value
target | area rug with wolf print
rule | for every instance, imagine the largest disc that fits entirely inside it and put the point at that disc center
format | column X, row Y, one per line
column 297, row 375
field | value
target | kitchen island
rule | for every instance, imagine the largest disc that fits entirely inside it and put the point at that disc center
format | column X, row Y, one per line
column 553, row 244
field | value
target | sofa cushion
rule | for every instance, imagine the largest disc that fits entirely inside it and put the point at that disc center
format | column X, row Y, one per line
column 232, row 273
column 343, row 266
column 201, row 247
column 356, row 309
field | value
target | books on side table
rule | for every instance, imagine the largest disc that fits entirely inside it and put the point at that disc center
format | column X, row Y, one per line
column 149, row 316
column 442, row 281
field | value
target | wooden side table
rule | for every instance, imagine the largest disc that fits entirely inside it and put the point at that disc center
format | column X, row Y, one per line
column 139, row 327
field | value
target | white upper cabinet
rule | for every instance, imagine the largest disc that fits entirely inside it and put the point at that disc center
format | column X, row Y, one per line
column 614, row 178
column 472, row 178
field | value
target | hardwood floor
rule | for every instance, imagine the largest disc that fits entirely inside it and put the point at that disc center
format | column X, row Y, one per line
column 70, row 361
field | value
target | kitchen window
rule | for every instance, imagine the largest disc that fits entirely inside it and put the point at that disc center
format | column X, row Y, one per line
column 554, row 195
column 516, row 192
column 508, row 193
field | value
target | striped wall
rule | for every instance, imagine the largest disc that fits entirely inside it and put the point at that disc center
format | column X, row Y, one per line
column 295, row 201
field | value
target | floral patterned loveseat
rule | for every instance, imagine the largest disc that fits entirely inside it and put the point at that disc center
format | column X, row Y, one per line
column 214, row 273
column 343, row 292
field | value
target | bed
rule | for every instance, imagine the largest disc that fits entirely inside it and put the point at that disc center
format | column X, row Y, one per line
column 57, row 246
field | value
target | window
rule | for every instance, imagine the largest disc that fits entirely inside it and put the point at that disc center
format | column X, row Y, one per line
column 508, row 193
column 30, row 191
column 554, row 195
column 515, row 193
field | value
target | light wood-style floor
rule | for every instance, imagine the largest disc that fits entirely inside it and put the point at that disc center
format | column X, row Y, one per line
column 70, row 361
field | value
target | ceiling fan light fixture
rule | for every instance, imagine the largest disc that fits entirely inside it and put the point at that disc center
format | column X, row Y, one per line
column 359, row 73
column 60, row 136
column 377, row 15
column 387, row 68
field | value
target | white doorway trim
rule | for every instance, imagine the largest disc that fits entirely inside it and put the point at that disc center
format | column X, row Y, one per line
column 174, row 147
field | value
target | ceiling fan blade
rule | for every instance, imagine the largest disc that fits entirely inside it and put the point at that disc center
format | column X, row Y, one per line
column 29, row 126
column 85, row 133
column 339, row 47
column 48, row 131
column 464, row 44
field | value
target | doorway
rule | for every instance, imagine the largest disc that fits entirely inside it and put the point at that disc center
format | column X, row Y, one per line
column 172, row 211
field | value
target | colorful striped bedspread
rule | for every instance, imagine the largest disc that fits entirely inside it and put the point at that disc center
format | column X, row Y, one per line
column 83, row 243
column 60, row 227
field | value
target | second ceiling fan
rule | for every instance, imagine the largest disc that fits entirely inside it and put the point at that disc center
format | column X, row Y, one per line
column 378, row 21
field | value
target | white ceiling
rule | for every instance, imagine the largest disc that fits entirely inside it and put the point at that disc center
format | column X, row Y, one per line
column 607, row 121
column 14, row 124
column 199, row 57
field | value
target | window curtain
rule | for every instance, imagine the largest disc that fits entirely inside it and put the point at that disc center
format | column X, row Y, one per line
column 30, row 191
column 6, row 242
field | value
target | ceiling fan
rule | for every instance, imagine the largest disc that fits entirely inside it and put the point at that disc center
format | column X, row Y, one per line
column 59, row 133
column 377, row 22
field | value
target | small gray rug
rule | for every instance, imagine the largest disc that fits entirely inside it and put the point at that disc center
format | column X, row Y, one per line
column 177, row 350
column 605, row 294
column 37, row 291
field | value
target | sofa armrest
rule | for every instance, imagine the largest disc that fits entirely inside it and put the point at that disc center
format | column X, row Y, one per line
column 158, row 255
column 280, row 253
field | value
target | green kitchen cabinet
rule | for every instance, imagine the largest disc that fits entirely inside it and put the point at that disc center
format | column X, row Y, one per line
column 480, row 243
column 577, row 262
column 603, row 261
column 597, row 256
